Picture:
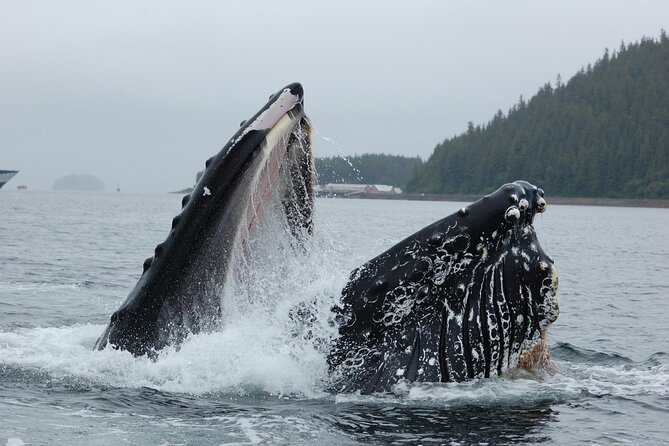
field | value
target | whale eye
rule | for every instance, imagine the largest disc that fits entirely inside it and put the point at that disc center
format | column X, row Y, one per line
column 523, row 204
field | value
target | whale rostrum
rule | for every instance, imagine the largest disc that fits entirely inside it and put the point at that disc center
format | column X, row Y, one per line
column 469, row 296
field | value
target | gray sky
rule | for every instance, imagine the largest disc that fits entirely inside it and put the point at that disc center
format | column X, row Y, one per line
column 141, row 93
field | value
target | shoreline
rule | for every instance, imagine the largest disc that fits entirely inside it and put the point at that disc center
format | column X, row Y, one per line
column 470, row 198
column 573, row 201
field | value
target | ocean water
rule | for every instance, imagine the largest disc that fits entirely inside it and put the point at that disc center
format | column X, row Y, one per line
column 68, row 260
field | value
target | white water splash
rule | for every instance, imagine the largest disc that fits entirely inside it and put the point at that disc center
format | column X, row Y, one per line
column 339, row 148
column 257, row 356
column 261, row 347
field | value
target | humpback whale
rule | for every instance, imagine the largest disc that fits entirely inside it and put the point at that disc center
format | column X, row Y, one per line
column 469, row 296
column 180, row 287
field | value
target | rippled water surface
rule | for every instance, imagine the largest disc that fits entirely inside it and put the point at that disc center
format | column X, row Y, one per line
column 68, row 260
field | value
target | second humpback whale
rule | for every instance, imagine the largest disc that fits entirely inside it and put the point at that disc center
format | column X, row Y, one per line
column 470, row 296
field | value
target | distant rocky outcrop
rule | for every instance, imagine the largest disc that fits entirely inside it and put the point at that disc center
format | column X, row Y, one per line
column 87, row 183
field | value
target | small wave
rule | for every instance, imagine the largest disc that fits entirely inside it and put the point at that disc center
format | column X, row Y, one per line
column 657, row 358
column 481, row 392
column 572, row 381
column 568, row 352
column 617, row 380
column 37, row 286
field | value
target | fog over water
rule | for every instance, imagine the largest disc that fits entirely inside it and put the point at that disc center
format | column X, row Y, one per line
column 140, row 94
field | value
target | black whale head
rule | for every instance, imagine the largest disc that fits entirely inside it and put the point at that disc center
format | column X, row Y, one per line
column 179, row 292
column 466, row 297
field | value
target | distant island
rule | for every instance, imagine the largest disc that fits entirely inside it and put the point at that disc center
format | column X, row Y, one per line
column 85, row 183
column 604, row 133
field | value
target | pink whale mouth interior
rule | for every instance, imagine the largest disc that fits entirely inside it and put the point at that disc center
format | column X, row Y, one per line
column 263, row 191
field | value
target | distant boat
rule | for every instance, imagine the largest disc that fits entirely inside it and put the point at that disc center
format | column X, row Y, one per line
column 21, row 187
column 6, row 175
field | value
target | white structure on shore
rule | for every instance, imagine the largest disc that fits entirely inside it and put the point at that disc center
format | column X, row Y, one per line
column 350, row 190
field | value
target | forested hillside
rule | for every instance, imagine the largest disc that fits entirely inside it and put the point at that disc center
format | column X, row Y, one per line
column 369, row 169
column 604, row 133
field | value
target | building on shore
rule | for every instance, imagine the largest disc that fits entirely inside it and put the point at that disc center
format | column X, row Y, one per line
column 345, row 190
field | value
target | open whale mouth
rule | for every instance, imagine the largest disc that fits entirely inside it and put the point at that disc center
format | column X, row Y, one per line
column 266, row 165
column 269, row 156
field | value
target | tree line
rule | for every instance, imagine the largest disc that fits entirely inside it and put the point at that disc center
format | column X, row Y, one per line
column 604, row 133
